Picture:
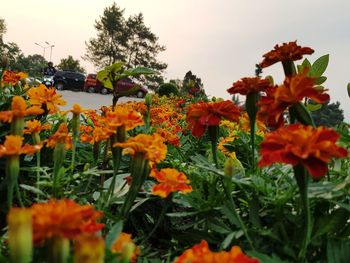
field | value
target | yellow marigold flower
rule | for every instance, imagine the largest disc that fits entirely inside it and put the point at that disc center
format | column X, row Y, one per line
column 124, row 116
column 201, row 253
column 170, row 181
column 46, row 98
column 124, row 245
column 63, row 218
column 13, row 146
column 11, row 77
column 60, row 136
column 35, row 126
column 19, row 109
column 89, row 249
column 152, row 146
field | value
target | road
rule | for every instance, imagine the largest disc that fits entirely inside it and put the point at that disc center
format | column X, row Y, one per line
column 89, row 100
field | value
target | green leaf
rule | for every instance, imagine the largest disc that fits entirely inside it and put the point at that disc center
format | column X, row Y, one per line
column 32, row 189
column 114, row 233
column 265, row 258
column 329, row 224
column 314, row 107
column 227, row 241
column 306, row 63
column 139, row 71
column 348, row 88
column 319, row 66
column 320, row 80
column 338, row 251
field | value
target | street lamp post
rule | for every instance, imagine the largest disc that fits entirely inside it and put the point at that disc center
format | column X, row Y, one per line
column 50, row 46
column 42, row 48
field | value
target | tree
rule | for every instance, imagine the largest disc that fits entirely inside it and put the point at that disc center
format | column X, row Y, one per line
column 192, row 84
column 2, row 30
column 127, row 40
column 329, row 115
column 70, row 63
column 32, row 64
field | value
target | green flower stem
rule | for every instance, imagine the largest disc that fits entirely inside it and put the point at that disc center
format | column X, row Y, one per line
column 59, row 250
column 75, row 137
column 12, row 172
column 36, row 140
column 227, row 185
column 17, row 126
column 214, row 135
column 139, row 172
column 289, row 67
column 251, row 108
column 59, row 155
column 299, row 112
column 302, row 179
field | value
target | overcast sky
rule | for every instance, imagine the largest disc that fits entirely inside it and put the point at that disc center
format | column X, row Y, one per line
column 218, row 40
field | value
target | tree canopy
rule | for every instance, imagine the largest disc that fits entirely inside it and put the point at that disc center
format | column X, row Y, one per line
column 70, row 63
column 124, row 39
column 330, row 115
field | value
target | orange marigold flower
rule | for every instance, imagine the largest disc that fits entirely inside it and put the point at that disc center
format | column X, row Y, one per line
column 93, row 135
column 124, row 116
column 294, row 89
column 245, row 86
column 202, row 114
column 11, row 77
column 19, row 109
column 63, row 218
column 298, row 144
column 287, row 52
column 170, row 181
column 35, row 126
column 169, row 137
column 152, row 146
column 46, row 98
column 13, row 146
column 201, row 253
column 60, row 136
column 123, row 243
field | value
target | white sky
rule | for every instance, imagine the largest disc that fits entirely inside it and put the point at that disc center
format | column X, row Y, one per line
column 219, row 40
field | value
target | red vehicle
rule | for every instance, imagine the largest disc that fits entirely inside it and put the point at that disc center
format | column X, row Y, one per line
column 92, row 85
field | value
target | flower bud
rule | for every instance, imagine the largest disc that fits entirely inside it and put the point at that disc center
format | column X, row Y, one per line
column 148, row 99
column 19, row 221
column 89, row 249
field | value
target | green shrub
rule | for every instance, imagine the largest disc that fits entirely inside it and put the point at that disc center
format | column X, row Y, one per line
column 166, row 89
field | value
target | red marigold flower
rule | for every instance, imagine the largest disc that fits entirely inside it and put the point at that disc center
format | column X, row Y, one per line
column 202, row 114
column 298, row 144
column 288, row 51
column 169, row 137
column 170, row 181
column 201, row 253
column 63, row 218
column 11, row 77
column 294, row 89
column 245, row 86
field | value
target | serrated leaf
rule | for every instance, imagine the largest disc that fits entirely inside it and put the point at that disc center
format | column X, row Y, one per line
column 319, row 66
column 114, row 233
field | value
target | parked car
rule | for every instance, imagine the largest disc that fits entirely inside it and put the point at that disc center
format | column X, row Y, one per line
column 92, row 84
column 71, row 80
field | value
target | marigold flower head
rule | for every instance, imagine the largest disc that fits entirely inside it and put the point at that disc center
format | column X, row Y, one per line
column 89, row 249
column 202, row 114
column 11, row 77
column 94, row 135
column 245, row 86
column 124, row 116
column 123, row 243
column 19, row 109
column 63, row 218
column 46, row 98
column 152, row 146
column 170, row 181
column 294, row 89
column 298, row 144
column 286, row 52
column 201, row 253
column 13, row 146
column 35, row 126
column 60, row 136
column 169, row 137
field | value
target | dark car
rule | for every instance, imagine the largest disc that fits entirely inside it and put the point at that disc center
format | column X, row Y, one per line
column 92, row 84
column 71, row 80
